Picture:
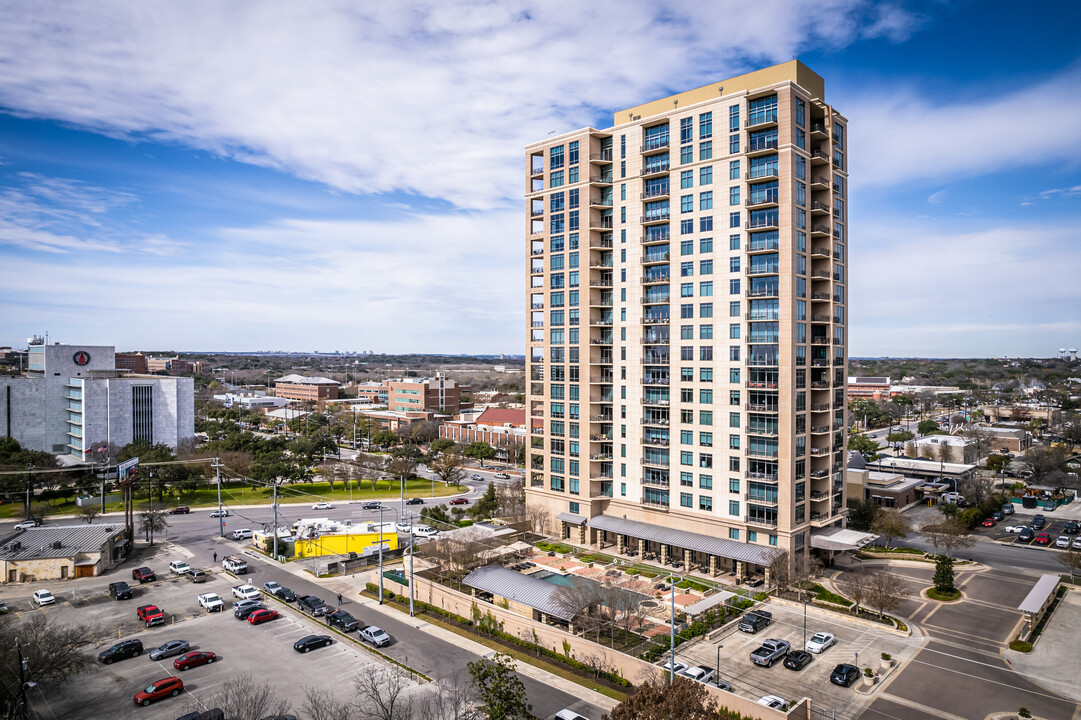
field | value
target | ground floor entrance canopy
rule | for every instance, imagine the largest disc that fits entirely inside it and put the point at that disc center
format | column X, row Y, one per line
column 685, row 540
column 840, row 539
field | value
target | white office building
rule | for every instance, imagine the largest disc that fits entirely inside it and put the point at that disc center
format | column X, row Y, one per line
column 73, row 399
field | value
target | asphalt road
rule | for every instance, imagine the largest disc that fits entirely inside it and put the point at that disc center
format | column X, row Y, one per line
column 1003, row 557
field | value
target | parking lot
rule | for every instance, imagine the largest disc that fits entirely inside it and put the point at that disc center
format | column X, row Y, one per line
column 264, row 652
column 752, row 681
column 1054, row 527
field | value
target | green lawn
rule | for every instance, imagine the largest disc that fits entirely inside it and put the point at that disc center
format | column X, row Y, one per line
column 247, row 495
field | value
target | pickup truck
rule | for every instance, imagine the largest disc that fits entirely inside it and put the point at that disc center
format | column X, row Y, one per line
column 246, row 592
column 312, row 604
column 770, row 652
column 753, row 622
column 151, row 615
column 179, row 567
column 211, row 602
column 234, row 565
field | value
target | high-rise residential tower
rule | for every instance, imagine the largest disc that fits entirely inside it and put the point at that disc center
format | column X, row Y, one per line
column 687, row 346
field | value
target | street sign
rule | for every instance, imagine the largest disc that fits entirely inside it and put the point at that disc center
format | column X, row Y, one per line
column 127, row 468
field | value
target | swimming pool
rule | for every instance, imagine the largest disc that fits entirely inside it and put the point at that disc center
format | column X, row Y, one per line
column 554, row 578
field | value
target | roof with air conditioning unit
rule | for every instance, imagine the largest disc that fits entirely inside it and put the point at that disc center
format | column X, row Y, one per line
column 57, row 541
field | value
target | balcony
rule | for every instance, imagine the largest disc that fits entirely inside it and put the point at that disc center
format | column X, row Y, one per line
column 536, row 213
column 761, row 521
column 766, row 292
column 656, row 338
column 820, row 429
column 762, row 243
column 820, row 340
column 604, row 156
column 820, row 182
column 661, row 422
column 602, row 179
column 761, row 145
column 656, row 462
column 601, row 456
column 821, row 275
column 656, row 442
column 763, row 200
column 766, row 173
column 600, row 223
column 601, row 202
column 821, row 252
column 656, row 504
column 604, row 340
column 656, row 217
column 772, row 222
column 819, row 451
column 761, row 384
column 762, row 361
column 818, row 129
column 654, row 278
column 768, row 453
column 656, row 320
column 819, row 208
column 759, row 499
column 655, row 299
column 653, row 258
column 821, row 407
column 821, row 297
column 602, row 283
column 768, row 431
column 820, row 229
column 764, row 477
column 655, row 144
column 762, row 407
column 656, row 193
column 654, row 169
column 819, row 156
column 761, row 120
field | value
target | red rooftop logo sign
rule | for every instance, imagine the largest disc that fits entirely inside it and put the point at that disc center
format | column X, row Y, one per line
column 81, row 358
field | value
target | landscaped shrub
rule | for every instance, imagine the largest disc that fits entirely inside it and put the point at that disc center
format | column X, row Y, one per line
column 825, row 595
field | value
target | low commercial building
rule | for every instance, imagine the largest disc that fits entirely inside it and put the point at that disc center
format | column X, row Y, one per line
column 375, row 392
column 947, row 448
column 873, row 388
column 73, row 399
column 528, row 596
column 175, row 365
column 888, row 489
column 340, row 542
column 307, row 389
column 394, row 420
column 502, row 428
column 924, row 469
column 59, row 552
column 436, row 395
column 1022, row 413
column 912, row 390
column 1010, row 439
column 132, row 362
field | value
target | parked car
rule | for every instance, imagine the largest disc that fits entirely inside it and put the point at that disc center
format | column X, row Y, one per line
column 1043, row 539
column 239, row 604
column 820, row 642
column 720, row 684
column 312, row 604
column 755, row 621
column 770, row 652
column 343, row 621
column 120, row 590
column 311, row 642
column 1007, row 508
column 404, row 528
column 568, row 715
column 182, row 510
column 166, row 687
column 1072, row 528
column 459, row 501
column 211, row 602
column 502, row 476
column 246, row 592
column 168, row 649
column 772, row 701
column 375, row 636
column 195, row 658
column 1026, row 534
column 261, row 616
column 1038, row 521
column 678, row 667
column 701, row 673
column 198, row 576
column 323, row 506
column 179, row 567
column 425, row 531
column 121, row 651
column 26, row 524
column 151, row 615
column 280, row 591
column 797, row 659
column 242, row 534
column 1077, row 543
column 998, row 515
column 271, row 587
column 371, row 505
column 243, row 612
column 1062, row 541
column 143, row 574
column 415, row 501
column 44, row 597
column 476, row 477
column 844, row 675
column 220, row 513
column 989, row 522
column 1014, row 528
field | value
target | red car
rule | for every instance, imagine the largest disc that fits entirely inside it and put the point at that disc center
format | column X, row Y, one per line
column 182, row 510
column 262, row 616
column 143, row 574
column 151, row 615
column 1043, row 539
column 459, row 501
column 989, row 522
column 195, row 658
column 158, row 689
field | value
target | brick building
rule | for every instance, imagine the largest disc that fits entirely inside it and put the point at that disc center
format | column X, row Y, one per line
column 303, row 388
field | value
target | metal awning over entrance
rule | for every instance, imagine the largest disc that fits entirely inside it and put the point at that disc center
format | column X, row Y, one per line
column 840, row 539
column 731, row 549
column 571, row 518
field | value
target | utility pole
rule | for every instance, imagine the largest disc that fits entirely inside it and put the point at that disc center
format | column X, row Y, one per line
column 412, row 577
column 672, row 634
column 401, row 483
column 275, row 528
column 22, row 680
column 150, row 505
column 380, row 554
column 221, row 522
column 29, row 483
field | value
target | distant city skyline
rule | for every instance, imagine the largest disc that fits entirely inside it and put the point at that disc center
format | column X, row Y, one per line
column 277, row 175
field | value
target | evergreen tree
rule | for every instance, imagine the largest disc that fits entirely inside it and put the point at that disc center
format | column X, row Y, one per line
column 944, row 575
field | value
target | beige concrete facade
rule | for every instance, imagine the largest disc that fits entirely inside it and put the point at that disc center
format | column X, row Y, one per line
column 686, row 283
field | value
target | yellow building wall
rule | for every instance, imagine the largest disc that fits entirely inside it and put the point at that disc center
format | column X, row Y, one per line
column 340, row 544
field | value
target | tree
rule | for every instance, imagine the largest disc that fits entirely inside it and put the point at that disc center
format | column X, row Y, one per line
column 944, row 575
column 1046, row 464
column 372, row 466
column 996, row 463
column 479, row 451
column 500, row 691
column 89, row 512
column 441, row 444
column 861, row 514
column 805, row 568
column 385, row 438
column 655, row 699
column 1070, row 559
column 859, row 442
column 53, row 654
column 424, row 432
column 449, row 466
column 952, row 534
column 538, row 519
column 510, row 498
column 382, row 695
column 487, row 505
column 152, row 520
column 780, row 570
column 856, row 584
column 402, row 467
column 885, row 592
column 890, row 524
column 243, row 697
column 927, row 427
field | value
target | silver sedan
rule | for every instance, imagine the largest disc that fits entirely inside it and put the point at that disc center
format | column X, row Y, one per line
column 173, row 647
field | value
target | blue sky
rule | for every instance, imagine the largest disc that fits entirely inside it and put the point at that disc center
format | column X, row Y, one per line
column 279, row 175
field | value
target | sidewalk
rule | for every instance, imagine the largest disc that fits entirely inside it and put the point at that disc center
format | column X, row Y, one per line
column 351, row 586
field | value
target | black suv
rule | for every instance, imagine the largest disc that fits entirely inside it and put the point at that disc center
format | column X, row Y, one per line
column 120, row 590
column 241, row 612
column 844, row 675
column 1038, row 521
column 121, row 651
column 343, row 621
column 285, row 594
column 313, row 605
column 755, row 621
column 1072, row 528
column 1026, row 534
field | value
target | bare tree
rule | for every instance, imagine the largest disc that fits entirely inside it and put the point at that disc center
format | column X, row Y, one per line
column 582, row 599
column 1046, row 465
column 152, row 520
column 321, row 705
column 885, row 592
column 1071, row 560
column 805, row 568
column 951, row 534
column 89, row 512
column 448, row 699
column 372, row 466
column 449, row 466
column 780, row 570
column 981, row 439
column 856, row 584
column 511, row 500
column 890, row 524
column 402, row 467
column 538, row 519
column 383, row 695
column 243, row 697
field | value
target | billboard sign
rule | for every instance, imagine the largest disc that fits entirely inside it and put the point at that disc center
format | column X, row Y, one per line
column 127, row 468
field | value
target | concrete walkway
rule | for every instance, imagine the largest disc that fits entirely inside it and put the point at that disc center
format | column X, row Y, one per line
column 1053, row 660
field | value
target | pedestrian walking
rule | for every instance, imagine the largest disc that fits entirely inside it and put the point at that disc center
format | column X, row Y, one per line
column 339, row 599
column 215, row 557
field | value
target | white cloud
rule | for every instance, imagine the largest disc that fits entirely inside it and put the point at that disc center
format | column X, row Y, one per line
column 915, row 139
column 434, row 98
column 937, row 198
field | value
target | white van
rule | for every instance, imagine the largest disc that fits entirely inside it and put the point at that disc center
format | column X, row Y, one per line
column 242, row 534
column 424, row 531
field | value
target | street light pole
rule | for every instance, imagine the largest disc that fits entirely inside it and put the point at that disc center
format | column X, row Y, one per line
column 381, row 554
column 672, row 635
column 401, row 483
column 412, row 577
